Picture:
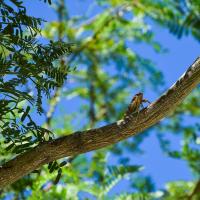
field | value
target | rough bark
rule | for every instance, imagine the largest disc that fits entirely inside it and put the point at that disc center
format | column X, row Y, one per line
column 85, row 141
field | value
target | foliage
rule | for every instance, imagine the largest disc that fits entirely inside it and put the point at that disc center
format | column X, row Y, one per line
column 109, row 70
column 27, row 72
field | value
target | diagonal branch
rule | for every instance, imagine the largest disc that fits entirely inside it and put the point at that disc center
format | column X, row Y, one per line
column 82, row 142
column 195, row 191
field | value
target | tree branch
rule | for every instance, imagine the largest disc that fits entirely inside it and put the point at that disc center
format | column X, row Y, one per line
column 85, row 141
column 196, row 191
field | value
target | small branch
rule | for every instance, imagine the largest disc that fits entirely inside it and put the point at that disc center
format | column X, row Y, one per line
column 89, row 140
column 92, row 114
column 53, row 103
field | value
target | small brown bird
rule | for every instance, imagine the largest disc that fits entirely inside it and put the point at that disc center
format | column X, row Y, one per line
column 135, row 104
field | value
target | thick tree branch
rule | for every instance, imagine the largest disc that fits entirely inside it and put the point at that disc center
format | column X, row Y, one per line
column 82, row 142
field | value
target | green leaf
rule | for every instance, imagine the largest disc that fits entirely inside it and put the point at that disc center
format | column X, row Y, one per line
column 59, row 174
column 53, row 167
column 6, row 124
column 63, row 163
column 175, row 154
column 9, row 147
column 25, row 113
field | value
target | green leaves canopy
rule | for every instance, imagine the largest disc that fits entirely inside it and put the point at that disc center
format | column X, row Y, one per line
column 27, row 72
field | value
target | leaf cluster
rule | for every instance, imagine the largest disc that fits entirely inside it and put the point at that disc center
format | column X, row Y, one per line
column 29, row 70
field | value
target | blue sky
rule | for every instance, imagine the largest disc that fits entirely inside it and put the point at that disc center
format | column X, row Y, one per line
column 181, row 53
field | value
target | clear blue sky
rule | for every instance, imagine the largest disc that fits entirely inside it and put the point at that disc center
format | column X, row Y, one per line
column 181, row 53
